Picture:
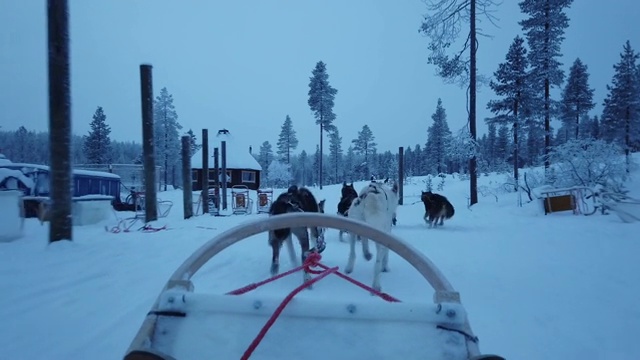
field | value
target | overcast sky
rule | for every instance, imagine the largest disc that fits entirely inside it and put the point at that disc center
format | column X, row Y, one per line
column 245, row 65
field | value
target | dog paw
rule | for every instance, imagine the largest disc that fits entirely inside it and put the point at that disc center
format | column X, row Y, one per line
column 368, row 256
column 275, row 268
column 386, row 269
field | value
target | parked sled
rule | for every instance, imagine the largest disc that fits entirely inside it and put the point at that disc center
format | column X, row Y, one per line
column 184, row 325
column 240, row 201
column 265, row 198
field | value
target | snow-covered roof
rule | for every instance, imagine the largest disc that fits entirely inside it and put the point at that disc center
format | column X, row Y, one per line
column 238, row 156
column 6, row 163
column 7, row 173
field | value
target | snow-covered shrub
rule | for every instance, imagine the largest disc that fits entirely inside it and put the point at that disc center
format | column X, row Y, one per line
column 279, row 174
column 428, row 182
column 588, row 162
column 441, row 183
column 527, row 181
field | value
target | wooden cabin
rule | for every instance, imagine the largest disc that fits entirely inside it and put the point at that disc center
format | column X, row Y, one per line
column 242, row 167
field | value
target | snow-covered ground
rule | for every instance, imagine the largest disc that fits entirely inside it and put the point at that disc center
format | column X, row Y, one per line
column 558, row 286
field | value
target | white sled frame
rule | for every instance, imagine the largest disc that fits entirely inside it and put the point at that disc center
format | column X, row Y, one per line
column 142, row 344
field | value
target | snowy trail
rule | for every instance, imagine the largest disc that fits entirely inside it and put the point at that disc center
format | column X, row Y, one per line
column 534, row 286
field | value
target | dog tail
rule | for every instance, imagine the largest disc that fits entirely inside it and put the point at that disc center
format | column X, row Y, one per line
column 449, row 210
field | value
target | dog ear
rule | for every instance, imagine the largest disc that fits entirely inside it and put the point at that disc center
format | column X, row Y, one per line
column 344, row 183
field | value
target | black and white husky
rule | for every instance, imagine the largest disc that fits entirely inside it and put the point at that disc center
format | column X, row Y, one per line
column 376, row 205
column 348, row 194
column 295, row 199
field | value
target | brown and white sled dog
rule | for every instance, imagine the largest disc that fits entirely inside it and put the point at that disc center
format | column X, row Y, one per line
column 376, row 205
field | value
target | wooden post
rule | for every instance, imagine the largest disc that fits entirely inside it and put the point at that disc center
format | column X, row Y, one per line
column 61, row 225
column 224, row 175
column 187, row 192
column 146, row 91
column 216, row 175
column 205, row 171
column 400, row 175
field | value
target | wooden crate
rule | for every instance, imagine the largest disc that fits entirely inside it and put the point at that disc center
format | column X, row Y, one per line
column 559, row 203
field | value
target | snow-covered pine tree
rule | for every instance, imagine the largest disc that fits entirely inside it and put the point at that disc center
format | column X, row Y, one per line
column 621, row 114
column 193, row 141
column 287, row 141
column 97, row 144
column 365, row 146
column 577, row 98
column 438, row 141
column 544, row 29
column 349, row 164
column 321, row 97
column 265, row 157
column 166, row 133
column 512, row 84
column 335, row 154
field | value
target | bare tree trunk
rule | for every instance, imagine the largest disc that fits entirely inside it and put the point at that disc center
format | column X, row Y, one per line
column 320, row 160
column 627, row 138
column 59, row 121
column 547, row 115
column 515, row 144
column 187, row 192
column 473, row 168
column 400, row 175
column 205, row 171
column 150, row 202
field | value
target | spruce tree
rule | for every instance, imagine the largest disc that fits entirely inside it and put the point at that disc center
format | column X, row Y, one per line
column 544, row 29
column 287, row 141
column 365, row 146
column 438, row 140
column 166, row 133
column 335, row 153
column 577, row 97
column 97, row 144
column 512, row 84
column 621, row 114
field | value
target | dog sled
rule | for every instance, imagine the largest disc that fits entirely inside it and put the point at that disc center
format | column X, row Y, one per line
column 240, row 201
column 265, row 198
column 184, row 324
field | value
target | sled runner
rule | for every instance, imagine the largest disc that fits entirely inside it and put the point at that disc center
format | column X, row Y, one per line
column 184, row 324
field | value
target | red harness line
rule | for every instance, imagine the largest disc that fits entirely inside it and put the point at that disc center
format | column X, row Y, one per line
column 312, row 260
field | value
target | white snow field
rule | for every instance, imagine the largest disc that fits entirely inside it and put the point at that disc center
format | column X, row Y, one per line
column 535, row 286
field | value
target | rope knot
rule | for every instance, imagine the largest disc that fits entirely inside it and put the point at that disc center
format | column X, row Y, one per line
column 312, row 260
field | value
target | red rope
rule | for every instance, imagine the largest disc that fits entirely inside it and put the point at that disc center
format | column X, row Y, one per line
column 313, row 259
column 254, row 344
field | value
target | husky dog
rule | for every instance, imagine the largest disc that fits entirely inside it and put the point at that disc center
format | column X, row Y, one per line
column 295, row 200
column 436, row 207
column 375, row 205
column 349, row 194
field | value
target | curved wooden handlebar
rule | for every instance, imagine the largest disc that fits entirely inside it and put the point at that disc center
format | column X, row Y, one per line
column 444, row 290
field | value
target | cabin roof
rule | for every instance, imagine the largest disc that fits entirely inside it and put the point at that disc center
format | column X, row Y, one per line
column 238, row 156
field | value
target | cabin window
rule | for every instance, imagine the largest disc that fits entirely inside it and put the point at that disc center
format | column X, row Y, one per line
column 249, row 176
column 212, row 176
